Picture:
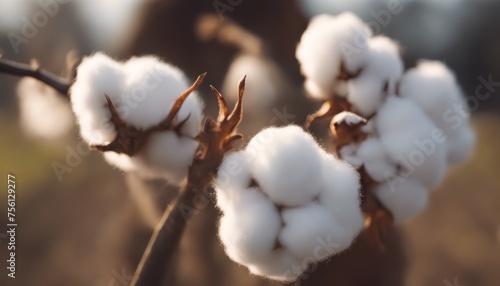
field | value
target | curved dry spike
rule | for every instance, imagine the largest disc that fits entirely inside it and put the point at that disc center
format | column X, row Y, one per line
column 223, row 108
column 235, row 117
column 115, row 117
column 180, row 100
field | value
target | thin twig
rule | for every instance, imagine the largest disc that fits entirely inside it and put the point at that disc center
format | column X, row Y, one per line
column 18, row 69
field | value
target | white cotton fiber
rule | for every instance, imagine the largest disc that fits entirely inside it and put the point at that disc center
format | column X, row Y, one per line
column 403, row 197
column 306, row 230
column 340, row 195
column 286, row 203
column 375, row 160
column 434, row 88
column 365, row 93
column 384, row 61
column 249, row 230
column 233, row 176
column 44, row 113
column 152, row 88
column 349, row 118
column 280, row 265
column 348, row 154
column 326, row 44
column 284, row 163
column 406, row 134
column 97, row 76
column 378, row 78
column 143, row 91
column 170, row 154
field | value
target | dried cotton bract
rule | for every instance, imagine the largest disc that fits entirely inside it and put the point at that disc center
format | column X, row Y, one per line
column 282, row 200
column 143, row 90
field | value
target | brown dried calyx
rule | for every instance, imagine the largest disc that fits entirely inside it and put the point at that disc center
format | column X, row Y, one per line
column 336, row 104
column 129, row 139
column 346, row 132
column 217, row 138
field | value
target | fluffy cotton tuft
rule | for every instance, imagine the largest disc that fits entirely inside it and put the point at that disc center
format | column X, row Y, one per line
column 378, row 78
column 403, row 197
column 289, row 153
column 406, row 134
column 328, row 43
column 44, row 113
column 282, row 199
column 434, row 88
column 349, row 118
column 143, row 90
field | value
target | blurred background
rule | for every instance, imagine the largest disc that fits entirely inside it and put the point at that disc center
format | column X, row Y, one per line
column 90, row 224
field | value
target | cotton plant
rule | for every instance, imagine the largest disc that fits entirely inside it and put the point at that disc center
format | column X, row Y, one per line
column 113, row 99
column 400, row 129
column 280, row 197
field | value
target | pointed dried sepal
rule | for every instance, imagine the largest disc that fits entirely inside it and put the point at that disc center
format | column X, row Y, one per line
column 223, row 108
column 168, row 122
column 347, row 129
column 329, row 109
column 128, row 139
column 236, row 115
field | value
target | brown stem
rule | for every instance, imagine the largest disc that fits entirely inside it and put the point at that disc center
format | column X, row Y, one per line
column 215, row 140
column 18, row 69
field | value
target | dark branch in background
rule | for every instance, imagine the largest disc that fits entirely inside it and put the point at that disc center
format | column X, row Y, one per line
column 60, row 84
column 216, row 138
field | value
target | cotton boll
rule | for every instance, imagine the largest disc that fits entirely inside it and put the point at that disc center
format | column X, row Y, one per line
column 348, row 154
column 263, row 83
column 406, row 135
column 403, row 197
column 382, row 69
column 375, row 160
column 384, row 61
column 249, row 230
column 43, row 112
column 284, row 162
column 434, row 88
column 340, row 194
column 152, row 88
column 280, row 265
column 306, row 229
column 326, row 44
column 232, row 177
column 120, row 161
column 170, row 154
column 365, row 93
column 97, row 76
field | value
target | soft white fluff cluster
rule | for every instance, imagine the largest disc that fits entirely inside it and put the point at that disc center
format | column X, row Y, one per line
column 419, row 122
column 44, row 113
column 329, row 43
column 286, row 203
column 332, row 42
column 434, row 88
column 143, row 90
